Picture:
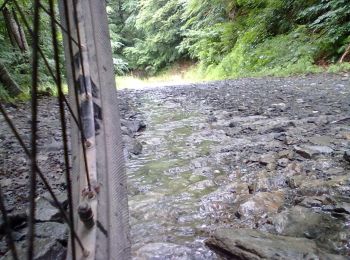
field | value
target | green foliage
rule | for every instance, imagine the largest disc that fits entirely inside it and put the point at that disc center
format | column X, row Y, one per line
column 331, row 19
column 269, row 37
column 231, row 38
column 227, row 38
column 280, row 55
column 159, row 23
column 18, row 63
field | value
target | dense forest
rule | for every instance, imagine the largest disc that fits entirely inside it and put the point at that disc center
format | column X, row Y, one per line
column 230, row 38
column 223, row 38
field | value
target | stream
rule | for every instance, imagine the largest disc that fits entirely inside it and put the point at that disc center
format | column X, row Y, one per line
column 234, row 169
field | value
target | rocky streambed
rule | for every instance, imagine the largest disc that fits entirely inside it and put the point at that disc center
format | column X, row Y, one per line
column 239, row 169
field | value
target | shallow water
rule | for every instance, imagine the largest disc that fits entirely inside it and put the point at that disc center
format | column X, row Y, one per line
column 226, row 155
column 165, row 190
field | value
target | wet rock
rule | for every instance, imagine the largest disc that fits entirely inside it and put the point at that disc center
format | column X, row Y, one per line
column 45, row 211
column 15, row 219
column 286, row 154
column 283, row 162
column 127, row 131
column 346, row 156
column 212, row 119
column 232, row 124
column 295, row 181
column 136, row 148
column 242, row 108
column 6, row 182
column 315, row 201
column 53, row 230
column 3, row 247
column 305, row 222
column 328, row 208
column 324, row 186
column 281, row 137
column 240, row 188
column 271, row 166
column 62, row 197
column 134, row 125
column 278, row 129
column 132, row 145
column 163, row 251
column 53, row 147
column 322, row 140
column 44, row 248
column 261, row 203
column 201, row 185
column 268, row 158
column 253, row 244
column 310, row 152
column 342, row 207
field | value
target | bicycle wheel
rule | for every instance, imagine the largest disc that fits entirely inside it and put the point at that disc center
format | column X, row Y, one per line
column 90, row 67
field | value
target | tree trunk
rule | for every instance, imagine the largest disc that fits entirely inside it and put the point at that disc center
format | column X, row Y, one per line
column 15, row 31
column 24, row 44
column 345, row 54
column 9, row 84
column 7, row 18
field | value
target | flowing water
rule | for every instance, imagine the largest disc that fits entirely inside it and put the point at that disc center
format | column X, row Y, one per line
column 240, row 154
column 169, row 179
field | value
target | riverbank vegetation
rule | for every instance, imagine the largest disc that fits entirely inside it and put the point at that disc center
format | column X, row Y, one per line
column 231, row 38
column 219, row 38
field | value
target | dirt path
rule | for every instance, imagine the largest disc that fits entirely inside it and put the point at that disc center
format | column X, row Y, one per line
column 264, row 154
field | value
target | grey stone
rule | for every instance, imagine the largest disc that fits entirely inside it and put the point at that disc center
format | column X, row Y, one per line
column 253, row 207
column 60, row 196
column 54, row 230
column 232, row 124
column 132, row 145
column 342, row 207
column 45, row 211
column 254, row 245
column 286, row 154
column 54, row 146
column 268, row 158
column 283, row 162
column 297, row 220
column 310, row 152
column 212, row 119
column 242, row 108
column 134, row 125
column 136, row 147
column 162, row 250
column 44, row 248
column 346, row 156
column 201, row 185
column 315, row 201
column 14, row 219
column 3, row 246
column 305, row 222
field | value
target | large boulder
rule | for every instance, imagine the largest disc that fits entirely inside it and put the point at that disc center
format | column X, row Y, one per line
column 244, row 244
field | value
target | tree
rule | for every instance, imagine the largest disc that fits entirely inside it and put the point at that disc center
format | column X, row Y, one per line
column 15, row 30
column 10, row 85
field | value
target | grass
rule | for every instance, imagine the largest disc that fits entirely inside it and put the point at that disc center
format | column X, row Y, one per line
column 196, row 74
column 177, row 74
